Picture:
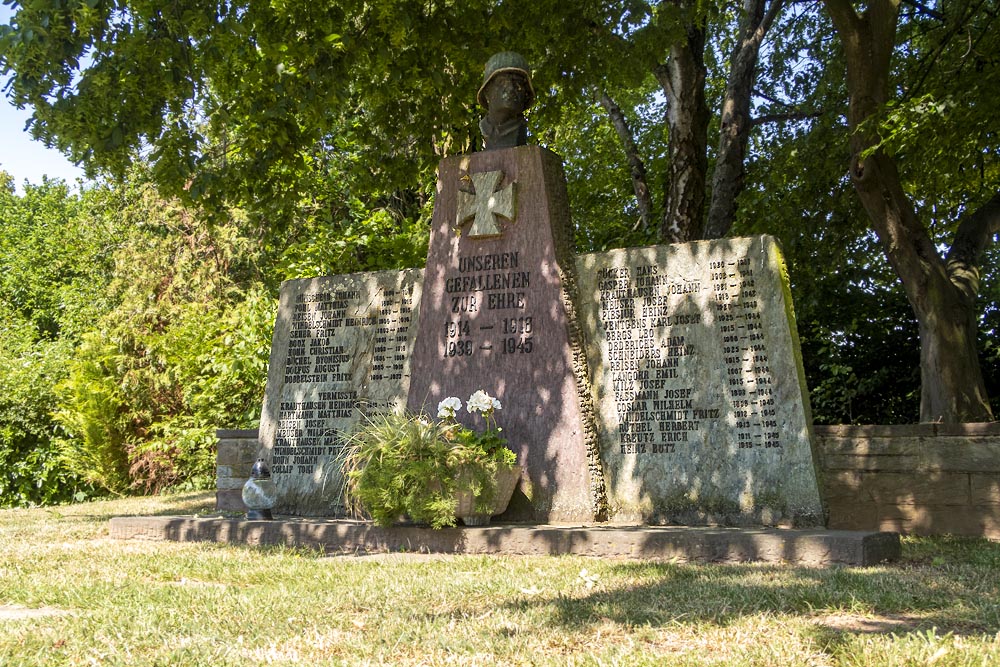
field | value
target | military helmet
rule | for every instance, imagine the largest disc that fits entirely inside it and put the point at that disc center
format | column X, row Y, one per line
column 506, row 61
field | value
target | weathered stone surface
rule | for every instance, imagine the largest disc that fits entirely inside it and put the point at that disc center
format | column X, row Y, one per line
column 237, row 452
column 339, row 348
column 230, row 500
column 697, row 376
column 896, row 431
column 985, row 489
column 927, row 454
column 972, row 430
column 849, row 516
column 908, row 479
column 842, row 486
column 932, row 488
column 937, row 520
column 497, row 314
column 228, row 482
column 235, row 433
column 814, row 548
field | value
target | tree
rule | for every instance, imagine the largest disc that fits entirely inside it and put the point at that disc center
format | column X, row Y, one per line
column 235, row 102
column 736, row 123
column 859, row 339
column 244, row 103
column 55, row 259
column 942, row 289
column 669, row 41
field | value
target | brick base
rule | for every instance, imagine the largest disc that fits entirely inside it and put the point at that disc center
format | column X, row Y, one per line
column 237, row 450
column 920, row 479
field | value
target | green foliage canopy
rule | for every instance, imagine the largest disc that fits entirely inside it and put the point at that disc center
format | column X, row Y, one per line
column 128, row 333
column 234, row 101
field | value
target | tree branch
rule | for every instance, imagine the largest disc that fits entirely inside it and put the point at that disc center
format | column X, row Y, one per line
column 736, row 123
column 772, row 99
column 846, row 21
column 974, row 232
column 958, row 27
column 934, row 14
column 780, row 117
column 662, row 74
column 637, row 167
column 769, row 17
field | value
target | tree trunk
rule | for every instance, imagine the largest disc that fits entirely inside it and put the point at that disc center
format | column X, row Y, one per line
column 942, row 297
column 729, row 174
column 637, row 168
column 951, row 382
column 683, row 81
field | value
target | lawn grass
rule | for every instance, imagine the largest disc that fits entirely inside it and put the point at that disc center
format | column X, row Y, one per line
column 69, row 595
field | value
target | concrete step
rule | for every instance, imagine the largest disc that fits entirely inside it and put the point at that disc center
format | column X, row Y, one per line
column 806, row 547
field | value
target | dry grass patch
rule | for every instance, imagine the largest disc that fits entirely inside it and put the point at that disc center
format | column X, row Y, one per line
column 16, row 612
column 889, row 624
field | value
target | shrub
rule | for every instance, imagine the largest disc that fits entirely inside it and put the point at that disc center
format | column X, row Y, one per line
column 33, row 473
column 399, row 464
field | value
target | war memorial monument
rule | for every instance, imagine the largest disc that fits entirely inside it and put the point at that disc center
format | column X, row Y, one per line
column 654, row 396
column 659, row 384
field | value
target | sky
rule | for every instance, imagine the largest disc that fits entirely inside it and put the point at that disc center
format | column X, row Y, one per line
column 20, row 156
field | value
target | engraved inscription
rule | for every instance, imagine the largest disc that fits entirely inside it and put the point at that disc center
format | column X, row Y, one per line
column 750, row 384
column 490, row 306
column 650, row 342
column 659, row 327
column 340, row 342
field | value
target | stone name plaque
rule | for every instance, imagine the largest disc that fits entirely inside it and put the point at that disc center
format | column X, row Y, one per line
column 341, row 346
column 698, row 382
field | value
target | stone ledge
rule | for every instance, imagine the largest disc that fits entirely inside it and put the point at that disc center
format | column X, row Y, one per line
column 236, row 433
column 236, row 452
column 924, row 430
column 813, row 548
column 229, row 483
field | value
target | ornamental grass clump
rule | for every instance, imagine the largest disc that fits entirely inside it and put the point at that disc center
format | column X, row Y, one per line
column 399, row 465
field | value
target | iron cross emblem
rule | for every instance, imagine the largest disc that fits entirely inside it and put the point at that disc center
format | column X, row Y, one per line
column 487, row 203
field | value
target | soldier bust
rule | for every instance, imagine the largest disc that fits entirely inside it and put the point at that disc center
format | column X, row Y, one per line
column 506, row 93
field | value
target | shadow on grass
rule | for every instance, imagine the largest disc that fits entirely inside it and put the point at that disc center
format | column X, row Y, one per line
column 950, row 550
column 888, row 600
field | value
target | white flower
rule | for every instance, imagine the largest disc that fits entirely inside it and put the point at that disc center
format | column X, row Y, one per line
column 480, row 402
column 588, row 579
column 448, row 407
column 496, row 404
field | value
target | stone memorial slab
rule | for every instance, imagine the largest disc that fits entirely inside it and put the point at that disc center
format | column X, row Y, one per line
column 497, row 314
column 341, row 346
column 697, row 377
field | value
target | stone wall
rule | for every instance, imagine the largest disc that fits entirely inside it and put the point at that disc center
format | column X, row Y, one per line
column 923, row 479
column 237, row 452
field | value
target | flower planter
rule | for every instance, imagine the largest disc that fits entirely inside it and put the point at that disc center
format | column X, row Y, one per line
column 422, row 459
column 506, row 481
